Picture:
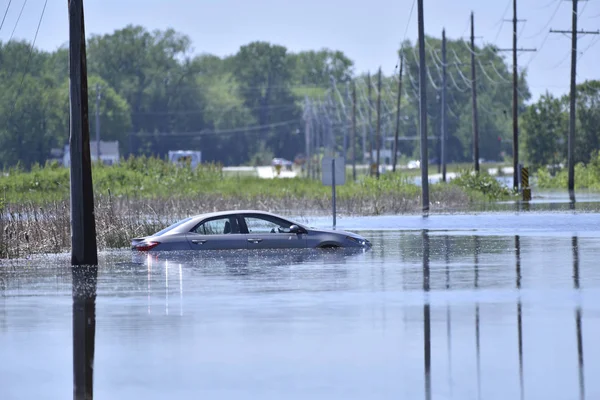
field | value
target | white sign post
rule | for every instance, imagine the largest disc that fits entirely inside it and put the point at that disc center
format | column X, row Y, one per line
column 334, row 173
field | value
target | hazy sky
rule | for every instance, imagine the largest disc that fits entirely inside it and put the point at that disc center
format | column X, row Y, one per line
column 368, row 32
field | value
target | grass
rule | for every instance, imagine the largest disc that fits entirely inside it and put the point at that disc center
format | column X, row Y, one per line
column 587, row 176
column 141, row 195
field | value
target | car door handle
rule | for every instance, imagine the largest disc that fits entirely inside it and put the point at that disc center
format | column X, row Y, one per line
column 198, row 241
column 255, row 240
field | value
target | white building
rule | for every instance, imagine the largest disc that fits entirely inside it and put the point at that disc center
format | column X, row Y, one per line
column 109, row 153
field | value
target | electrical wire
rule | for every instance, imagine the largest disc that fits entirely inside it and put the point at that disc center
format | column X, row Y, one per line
column 547, row 23
column 25, row 70
column 5, row 12
column 17, row 22
column 592, row 43
column 501, row 22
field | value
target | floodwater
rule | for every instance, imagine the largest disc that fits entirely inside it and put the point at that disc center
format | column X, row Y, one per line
column 487, row 306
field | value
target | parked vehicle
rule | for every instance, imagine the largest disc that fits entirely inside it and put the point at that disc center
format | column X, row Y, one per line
column 244, row 229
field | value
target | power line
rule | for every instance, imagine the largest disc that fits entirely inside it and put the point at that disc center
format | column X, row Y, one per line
column 501, row 22
column 219, row 131
column 25, row 70
column 5, row 12
column 17, row 22
column 592, row 43
column 547, row 23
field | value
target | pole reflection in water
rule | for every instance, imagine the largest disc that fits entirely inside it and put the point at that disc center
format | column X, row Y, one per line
column 426, row 317
column 180, row 291
column 576, row 285
column 149, row 261
column 575, row 247
column 167, row 287
column 84, row 329
column 477, row 343
column 448, row 313
column 519, row 313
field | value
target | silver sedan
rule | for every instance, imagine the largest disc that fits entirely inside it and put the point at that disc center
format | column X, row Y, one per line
column 244, row 229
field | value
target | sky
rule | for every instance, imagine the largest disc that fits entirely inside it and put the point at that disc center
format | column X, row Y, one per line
column 368, row 32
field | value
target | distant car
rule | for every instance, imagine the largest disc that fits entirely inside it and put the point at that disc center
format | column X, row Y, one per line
column 244, row 229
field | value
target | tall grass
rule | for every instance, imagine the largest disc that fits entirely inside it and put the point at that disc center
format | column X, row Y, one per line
column 142, row 195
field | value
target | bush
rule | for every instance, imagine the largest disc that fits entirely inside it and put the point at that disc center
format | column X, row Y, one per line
column 481, row 184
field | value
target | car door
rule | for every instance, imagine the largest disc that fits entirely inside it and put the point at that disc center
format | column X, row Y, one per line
column 267, row 232
column 217, row 233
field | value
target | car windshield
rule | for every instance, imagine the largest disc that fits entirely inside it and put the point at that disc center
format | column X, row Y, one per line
column 171, row 227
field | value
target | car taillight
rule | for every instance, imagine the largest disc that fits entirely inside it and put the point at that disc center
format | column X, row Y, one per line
column 146, row 246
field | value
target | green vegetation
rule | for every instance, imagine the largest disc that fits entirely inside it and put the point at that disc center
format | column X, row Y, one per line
column 481, row 186
column 140, row 195
column 153, row 178
column 156, row 96
column 545, row 126
column 587, row 176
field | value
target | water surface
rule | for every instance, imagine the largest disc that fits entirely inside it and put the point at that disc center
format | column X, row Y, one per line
column 488, row 306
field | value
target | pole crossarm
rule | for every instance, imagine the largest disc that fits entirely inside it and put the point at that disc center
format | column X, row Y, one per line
column 578, row 32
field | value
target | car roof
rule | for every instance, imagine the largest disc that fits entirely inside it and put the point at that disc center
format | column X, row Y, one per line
column 228, row 212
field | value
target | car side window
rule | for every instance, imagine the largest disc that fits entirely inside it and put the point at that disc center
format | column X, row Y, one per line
column 218, row 226
column 264, row 225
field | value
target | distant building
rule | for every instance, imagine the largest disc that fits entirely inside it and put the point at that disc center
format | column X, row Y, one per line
column 109, row 153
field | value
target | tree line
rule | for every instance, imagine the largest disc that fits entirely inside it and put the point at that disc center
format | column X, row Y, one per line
column 155, row 95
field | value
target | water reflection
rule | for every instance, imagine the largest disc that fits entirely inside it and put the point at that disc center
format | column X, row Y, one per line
column 184, row 325
column 426, row 317
column 519, row 314
column 581, row 373
column 84, row 330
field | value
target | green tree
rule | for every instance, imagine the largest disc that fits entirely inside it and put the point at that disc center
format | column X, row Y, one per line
column 157, row 78
column 264, row 73
column 544, row 126
column 317, row 68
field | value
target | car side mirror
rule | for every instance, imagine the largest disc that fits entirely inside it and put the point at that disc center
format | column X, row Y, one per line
column 296, row 229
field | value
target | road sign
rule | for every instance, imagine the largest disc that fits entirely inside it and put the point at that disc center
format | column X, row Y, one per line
column 334, row 174
column 327, row 167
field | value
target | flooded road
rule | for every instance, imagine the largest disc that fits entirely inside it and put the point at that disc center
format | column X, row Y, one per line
column 488, row 306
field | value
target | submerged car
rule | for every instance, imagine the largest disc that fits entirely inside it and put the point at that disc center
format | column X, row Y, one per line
column 246, row 229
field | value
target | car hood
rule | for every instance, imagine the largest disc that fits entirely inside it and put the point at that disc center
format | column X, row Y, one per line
column 336, row 231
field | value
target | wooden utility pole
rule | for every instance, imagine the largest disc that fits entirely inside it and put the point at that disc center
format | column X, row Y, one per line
column 398, row 101
column 444, row 133
column 378, row 138
column 353, row 139
column 474, row 97
column 307, row 122
column 98, row 97
column 573, row 97
column 515, row 97
column 370, row 107
column 84, row 254
column 423, row 111
column 83, row 235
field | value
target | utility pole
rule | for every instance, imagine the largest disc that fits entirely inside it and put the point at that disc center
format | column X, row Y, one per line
column 423, row 111
column 515, row 105
column 307, row 122
column 84, row 253
column 573, row 97
column 378, row 138
column 444, row 133
column 399, row 98
column 353, row 139
column 370, row 107
column 98, row 97
column 83, row 236
column 474, row 97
